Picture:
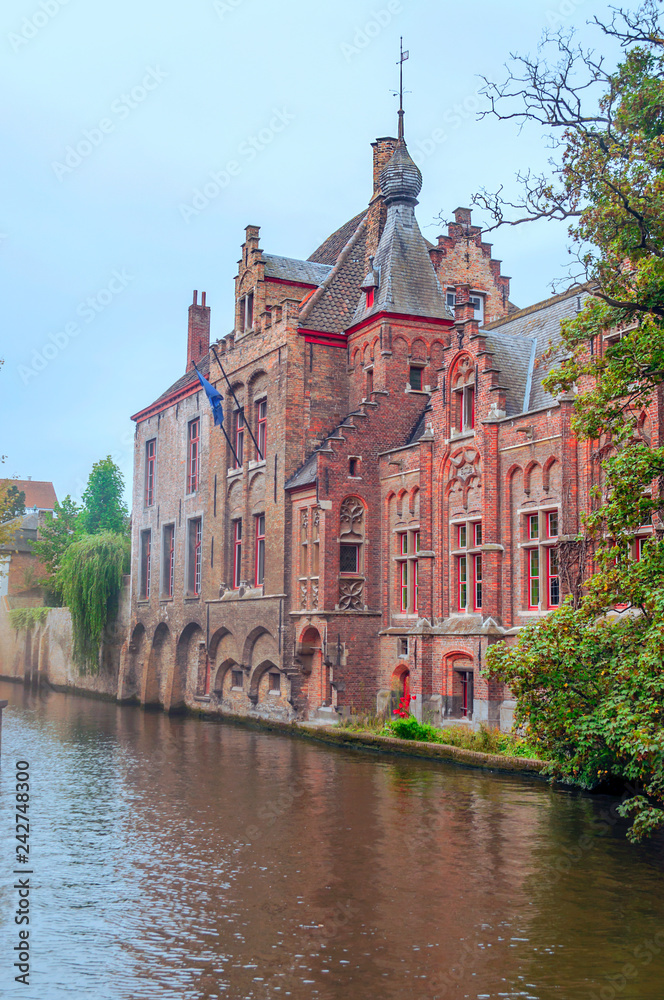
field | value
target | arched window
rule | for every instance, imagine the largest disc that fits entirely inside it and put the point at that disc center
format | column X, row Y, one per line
column 351, row 555
column 462, row 396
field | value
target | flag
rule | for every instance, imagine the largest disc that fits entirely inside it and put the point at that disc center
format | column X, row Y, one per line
column 215, row 398
column 404, row 55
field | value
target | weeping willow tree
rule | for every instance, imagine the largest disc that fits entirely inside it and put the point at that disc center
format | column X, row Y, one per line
column 90, row 578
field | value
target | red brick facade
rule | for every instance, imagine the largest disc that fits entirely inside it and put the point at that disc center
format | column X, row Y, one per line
column 414, row 486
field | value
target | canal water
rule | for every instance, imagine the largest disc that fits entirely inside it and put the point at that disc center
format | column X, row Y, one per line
column 190, row 860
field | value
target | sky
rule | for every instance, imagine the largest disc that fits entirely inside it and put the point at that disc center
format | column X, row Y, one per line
column 141, row 138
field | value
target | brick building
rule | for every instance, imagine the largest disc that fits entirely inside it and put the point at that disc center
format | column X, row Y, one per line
column 20, row 570
column 400, row 502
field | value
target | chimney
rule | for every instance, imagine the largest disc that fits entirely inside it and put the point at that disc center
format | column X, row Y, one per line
column 382, row 154
column 198, row 336
column 462, row 216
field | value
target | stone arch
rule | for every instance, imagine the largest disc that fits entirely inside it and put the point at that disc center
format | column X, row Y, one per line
column 437, row 354
column 132, row 678
column 257, row 493
column 159, row 666
column 257, row 674
column 189, row 675
column 259, row 643
column 317, row 688
column 235, row 500
column 458, row 677
column 528, row 482
column 220, row 674
column 418, row 350
column 258, row 381
column 400, row 349
column 415, row 502
column 373, row 347
column 400, row 498
column 546, row 472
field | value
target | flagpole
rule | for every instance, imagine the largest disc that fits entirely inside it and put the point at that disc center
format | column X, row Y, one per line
column 237, row 460
column 237, row 403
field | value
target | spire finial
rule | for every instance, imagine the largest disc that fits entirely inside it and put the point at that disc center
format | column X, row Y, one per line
column 402, row 59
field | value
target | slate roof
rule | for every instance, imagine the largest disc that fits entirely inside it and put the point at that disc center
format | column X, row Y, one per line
column 289, row 269
column 37, row 493
column 186, row 379
column 408, row 283
column 333, row 311
column 306, row 474
column 519, row 342
column 26, row 532
column 330, row 248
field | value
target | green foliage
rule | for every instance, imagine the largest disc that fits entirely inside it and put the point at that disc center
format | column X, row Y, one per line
column 56, row 533
column 90, row 578
column 26, row 618
column 589, row 682
column 103, row 506
column 12, row 501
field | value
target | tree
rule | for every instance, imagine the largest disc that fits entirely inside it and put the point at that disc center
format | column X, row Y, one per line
column 90, row 579
column 590, row 684
column 56, row 533
column 103, row 506
column 12, row 501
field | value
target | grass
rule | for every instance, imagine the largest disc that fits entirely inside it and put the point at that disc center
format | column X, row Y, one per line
column 484, row 740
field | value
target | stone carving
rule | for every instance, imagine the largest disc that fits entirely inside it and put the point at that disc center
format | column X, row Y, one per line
column 350, row 595
column 314, row 594
column 303, row 595
column 351, row 515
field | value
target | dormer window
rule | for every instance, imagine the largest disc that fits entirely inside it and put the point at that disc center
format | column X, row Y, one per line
column 370, row 284
column 371, row 295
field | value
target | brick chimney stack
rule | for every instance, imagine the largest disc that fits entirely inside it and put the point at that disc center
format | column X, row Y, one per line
column 198, row 337
column 382, row 154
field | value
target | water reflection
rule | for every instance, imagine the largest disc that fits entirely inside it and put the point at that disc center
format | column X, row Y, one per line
column 181, row 859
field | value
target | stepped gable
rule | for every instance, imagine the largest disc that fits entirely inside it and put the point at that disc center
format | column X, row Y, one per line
column 329, row 250
column 519, row 343
column 332, row 306
column 407, row 282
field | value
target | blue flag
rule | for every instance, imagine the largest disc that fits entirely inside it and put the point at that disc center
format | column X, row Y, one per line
column 215, row 398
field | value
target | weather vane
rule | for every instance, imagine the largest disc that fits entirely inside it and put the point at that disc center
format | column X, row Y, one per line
column 402, row 59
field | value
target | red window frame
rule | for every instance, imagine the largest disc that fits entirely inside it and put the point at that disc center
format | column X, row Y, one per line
column 197, row 554
column 146, row 563
column 552, row 577
column 238, row 422
column 462, row 536
column 533, row 521
column 261, row 426
column 169, row 563
column 371, row 295
column 477, row 532
column 477, row 582
column 150, row 453
column 462, row 583
column 237, row 553
column 416, row 585
column 403, row 584
column 552, row 518
column 533, row 577
column 259, row 564
column 193, row 455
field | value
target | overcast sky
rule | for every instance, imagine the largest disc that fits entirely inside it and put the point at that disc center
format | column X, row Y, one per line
column 116, row 113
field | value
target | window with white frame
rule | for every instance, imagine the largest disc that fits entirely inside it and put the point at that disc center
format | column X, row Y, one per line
column 466, row 549
column 407, row 559
column 541, row 559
